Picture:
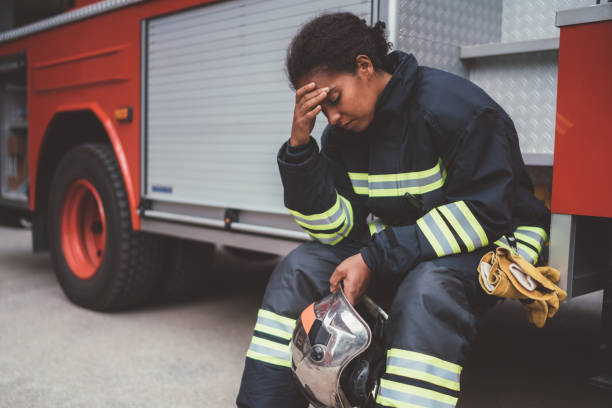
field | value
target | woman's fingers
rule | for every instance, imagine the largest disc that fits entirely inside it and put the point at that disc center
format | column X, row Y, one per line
column 335, row 279
column 303, row 90
column 313, row 113
column 308, row 104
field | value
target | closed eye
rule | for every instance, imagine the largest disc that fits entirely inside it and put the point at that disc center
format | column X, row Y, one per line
column 335, row 99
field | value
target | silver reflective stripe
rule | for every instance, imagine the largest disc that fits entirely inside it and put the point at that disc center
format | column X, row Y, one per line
column 526, row 255
column 438, row 235
column 465, row 224
column 359, row 183
column 538, row 240
column 401, row 184
column 348, row 225
column 503, row 242
column 412, row 399
column 323, row 221
column 270, row 351
column 274, row 324
column 423, row 367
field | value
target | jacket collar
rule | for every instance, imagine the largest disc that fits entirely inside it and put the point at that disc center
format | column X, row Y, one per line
column 395, row 94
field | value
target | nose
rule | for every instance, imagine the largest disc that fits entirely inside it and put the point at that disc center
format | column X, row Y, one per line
column 333, row 117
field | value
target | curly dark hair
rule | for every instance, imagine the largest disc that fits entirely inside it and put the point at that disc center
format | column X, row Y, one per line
column 331, row 42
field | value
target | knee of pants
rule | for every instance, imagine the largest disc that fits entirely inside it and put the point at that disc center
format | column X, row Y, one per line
column 431, row 313
column 300, row 278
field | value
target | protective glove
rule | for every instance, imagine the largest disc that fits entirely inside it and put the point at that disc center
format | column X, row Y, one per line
column 505, row 274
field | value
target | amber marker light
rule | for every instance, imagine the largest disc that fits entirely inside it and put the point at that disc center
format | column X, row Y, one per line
column 123, row 114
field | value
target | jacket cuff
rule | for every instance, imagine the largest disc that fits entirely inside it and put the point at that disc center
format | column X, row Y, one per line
column 298, row 154
column 369, row 257
column 305, row 158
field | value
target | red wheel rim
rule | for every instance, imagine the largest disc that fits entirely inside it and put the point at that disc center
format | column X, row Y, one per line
column 83, row 229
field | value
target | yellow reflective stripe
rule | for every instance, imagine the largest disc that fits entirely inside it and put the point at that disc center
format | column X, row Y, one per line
column 406, row 176
column 396, row 192
column 273, row 331
column 389, row 402
column 268, row 359
column 270, row 344
column 419, row 375
column 358, row 176
column 424, row 358
column 446, row 231
column 430, row 237
column 361, row 190
column 335, row 237
column 530, row 252
column 529, row 240
column 502, row 244
column 372, row 228
column 318, row 221
column 277, row 317
column 319, row 216
column 458, row 228
column 540, row 231
column 473, row 222
column 421, row 392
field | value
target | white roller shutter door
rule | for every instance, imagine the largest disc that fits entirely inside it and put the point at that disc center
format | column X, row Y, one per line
column 218, row 104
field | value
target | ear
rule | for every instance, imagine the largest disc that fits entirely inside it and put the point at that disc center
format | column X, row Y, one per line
column 365, row 68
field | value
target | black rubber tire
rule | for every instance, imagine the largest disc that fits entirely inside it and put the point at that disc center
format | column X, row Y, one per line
column 189, row 271
column 131, row 266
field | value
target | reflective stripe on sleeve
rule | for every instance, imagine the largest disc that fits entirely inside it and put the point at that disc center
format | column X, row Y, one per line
column 465, row 225
column 438, row 234
column 398, row 184
column 330, row 219
column 376, row 227
column 423, row 367
column 534, row 236
column 340, row 219
column 524, row 251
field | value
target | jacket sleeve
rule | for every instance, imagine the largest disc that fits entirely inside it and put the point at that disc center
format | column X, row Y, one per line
column 479, row 192
column 318, row 194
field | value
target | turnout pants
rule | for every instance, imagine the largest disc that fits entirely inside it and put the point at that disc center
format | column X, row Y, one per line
column 432, row 322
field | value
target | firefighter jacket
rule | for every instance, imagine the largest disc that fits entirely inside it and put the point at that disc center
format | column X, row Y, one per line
column 437, row 172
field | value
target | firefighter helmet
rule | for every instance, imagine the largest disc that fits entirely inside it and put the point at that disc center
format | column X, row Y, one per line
column 336, row 356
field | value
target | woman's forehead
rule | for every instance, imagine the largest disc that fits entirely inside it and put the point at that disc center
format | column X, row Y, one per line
column 322, row 79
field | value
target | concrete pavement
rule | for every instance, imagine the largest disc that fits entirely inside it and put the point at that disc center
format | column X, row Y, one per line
column 55, row 354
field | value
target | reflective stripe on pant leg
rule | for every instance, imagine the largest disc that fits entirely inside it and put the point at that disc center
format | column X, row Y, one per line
column 430, row 329
column 270, row 342
column 416, row 379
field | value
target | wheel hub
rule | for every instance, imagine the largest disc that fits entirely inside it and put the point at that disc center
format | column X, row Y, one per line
column 83, row 229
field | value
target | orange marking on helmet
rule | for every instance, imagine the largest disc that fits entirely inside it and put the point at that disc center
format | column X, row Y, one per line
column 308, row 317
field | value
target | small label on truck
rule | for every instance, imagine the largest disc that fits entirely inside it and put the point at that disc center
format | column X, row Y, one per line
column 162, row 189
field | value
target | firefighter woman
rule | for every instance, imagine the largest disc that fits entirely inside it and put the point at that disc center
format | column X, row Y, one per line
column 419, row 174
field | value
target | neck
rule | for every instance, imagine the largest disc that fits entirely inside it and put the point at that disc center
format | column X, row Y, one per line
column 382, row 79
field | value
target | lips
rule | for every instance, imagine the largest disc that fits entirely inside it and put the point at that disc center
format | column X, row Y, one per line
column 346, row 124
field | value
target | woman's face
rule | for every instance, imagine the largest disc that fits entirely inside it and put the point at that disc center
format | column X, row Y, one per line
column 352, row 97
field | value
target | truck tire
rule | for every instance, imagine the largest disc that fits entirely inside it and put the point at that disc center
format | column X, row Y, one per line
column 101, row 263
column 190, row 271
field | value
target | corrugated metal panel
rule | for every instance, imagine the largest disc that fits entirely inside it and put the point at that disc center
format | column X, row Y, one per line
column 433, row 30
column 525, row 85
column 533, row 19
column 219, row 105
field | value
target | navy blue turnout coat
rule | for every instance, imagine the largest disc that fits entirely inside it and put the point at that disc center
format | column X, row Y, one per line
column 437, row 172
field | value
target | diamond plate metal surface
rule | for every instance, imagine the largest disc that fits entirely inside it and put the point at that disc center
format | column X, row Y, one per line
column 525, row 85
column 532, row 19
column 434, row 30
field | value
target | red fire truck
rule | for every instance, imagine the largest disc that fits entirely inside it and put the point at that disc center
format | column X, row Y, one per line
column 118, row 118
